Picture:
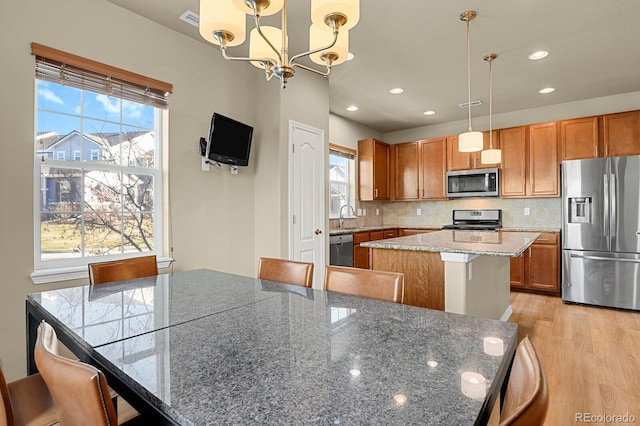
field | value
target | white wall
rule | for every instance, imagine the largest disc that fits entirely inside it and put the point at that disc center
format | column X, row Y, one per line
column 214, row 214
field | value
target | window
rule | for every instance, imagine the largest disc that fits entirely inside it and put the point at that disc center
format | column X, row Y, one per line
column 110, row 207
column 341, row 180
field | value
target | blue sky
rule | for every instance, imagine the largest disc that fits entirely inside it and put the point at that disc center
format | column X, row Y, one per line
column 60, row 108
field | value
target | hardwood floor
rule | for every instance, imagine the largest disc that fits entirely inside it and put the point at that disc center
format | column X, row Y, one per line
column 590, row 355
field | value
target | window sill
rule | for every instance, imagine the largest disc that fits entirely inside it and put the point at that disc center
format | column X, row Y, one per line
column 51, row 275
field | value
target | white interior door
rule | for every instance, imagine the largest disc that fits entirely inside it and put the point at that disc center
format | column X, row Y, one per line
column 307, row 197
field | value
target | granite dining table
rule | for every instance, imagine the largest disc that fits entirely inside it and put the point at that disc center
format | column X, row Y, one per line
column 204, row 347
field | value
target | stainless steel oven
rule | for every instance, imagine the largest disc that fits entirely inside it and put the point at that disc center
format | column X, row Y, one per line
column 341, row 250
column 473, row 183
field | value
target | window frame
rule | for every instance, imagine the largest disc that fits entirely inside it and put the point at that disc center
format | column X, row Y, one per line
column 65, row 269
column 351, row 181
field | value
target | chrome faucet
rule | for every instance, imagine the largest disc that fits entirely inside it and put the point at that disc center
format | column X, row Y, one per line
column 342, row 218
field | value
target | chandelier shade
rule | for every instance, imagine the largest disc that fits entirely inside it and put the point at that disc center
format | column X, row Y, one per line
column 319, row 37
column 469, row 141
column 264, row 7
column 491, row 156
column 258, row 47
column 222, row 16
column 223, row 22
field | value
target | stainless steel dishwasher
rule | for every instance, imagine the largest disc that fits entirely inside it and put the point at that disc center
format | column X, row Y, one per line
column 341, row 250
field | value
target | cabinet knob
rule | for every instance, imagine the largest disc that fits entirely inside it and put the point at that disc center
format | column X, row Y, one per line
column 317, row 231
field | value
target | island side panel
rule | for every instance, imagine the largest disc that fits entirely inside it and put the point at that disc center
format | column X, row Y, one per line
column 423, row 274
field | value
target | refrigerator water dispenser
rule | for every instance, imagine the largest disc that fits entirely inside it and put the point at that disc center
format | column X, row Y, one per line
column 580, row 209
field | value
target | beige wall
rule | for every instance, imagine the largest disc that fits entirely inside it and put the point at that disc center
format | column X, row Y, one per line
column 347, row 133
column 215, row 215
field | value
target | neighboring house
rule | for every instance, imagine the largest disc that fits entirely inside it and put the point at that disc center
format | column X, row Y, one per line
column 62, row 186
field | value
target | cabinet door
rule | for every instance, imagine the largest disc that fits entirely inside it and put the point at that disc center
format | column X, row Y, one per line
column 376, row 235
column 621, row 134
column 513, row 143
column 544, row 267
column 579, row 138
column 433, row 165
column 360, row 254
column 544, row 168
column 517, row 271
column 381, row 185
column 407, row 232
column 406, row 166
column 390, row 233
column 457, row 160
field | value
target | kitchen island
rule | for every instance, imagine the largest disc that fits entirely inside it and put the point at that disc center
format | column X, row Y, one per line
column 464, row 272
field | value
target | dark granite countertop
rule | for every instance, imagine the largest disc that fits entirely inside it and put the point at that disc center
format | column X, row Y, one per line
column 204, row 347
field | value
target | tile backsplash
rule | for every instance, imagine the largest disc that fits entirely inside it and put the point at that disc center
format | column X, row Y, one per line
column 544, row 212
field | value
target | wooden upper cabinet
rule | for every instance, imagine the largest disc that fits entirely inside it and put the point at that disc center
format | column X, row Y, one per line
column 513, row 143
column 621, row 134
column 373, row 170
column 544, row 169
column 579, row 138
column 433, row 161
column 406, row 165
column 457, row 160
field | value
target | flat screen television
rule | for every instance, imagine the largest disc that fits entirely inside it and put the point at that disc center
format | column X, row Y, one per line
column 229, row 141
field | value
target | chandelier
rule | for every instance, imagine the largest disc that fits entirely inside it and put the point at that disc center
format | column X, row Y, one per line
column 222, row 22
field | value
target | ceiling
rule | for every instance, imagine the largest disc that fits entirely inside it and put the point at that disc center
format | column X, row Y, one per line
column 420, row 46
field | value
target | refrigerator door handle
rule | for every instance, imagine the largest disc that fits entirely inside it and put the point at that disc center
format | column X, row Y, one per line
column 606, row 206
column 614, row 259
column 613, row 222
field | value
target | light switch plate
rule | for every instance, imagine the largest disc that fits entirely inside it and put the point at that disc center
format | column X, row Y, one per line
column 527, row 211
column 377, row 212
column 418, row 212
column 359, row 212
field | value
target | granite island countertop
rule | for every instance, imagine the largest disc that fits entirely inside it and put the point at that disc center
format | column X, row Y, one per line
column 338, row 231
column 488, row 243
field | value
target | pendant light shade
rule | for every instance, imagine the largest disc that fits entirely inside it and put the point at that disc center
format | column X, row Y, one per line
column 491, row 155
column 319, row 37
column 321, row 9
column 258, row 47
column 469, row 141
column 266, row 8
column 222, row 16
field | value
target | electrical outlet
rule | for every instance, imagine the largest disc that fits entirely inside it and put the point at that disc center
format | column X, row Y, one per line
column 418, row 212
column 359, row 212
column 527, row 211
column 364, row 212
column 205, row 165
column 377, row 212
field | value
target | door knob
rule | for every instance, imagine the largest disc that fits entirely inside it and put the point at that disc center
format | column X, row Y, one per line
column 317, row 231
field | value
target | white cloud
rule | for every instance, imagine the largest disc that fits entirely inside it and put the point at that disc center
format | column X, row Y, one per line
column 48, row 95
column 112, row 105
column 132, row 109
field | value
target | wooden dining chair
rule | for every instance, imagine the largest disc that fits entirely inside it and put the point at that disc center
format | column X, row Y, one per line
column 527, row 398
column 26, row 401
column 79, row 391
column 125, row 269
column 381, row 285
column 286, row 271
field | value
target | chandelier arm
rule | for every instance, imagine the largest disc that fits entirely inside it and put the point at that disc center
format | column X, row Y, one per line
column 265, row 61
column 259, row 28
column 304, row 67
column 311, row 52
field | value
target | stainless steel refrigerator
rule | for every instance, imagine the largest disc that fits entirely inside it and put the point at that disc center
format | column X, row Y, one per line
column 601, row 232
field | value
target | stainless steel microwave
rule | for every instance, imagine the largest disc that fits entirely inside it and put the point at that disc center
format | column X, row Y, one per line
column 473, row 183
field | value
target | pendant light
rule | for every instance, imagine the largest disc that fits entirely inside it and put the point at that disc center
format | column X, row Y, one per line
column 469, row 141
column 491, row 155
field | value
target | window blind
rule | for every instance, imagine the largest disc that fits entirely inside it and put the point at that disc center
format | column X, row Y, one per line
column 342, row 151
column 81, row 73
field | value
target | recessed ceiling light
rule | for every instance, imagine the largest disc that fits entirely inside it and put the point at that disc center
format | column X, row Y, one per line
column 429, row 112
column 350, row 56
column 396, row 91
column 547, row 90
column 354, row 372
column 538, row 55
column 352, row 108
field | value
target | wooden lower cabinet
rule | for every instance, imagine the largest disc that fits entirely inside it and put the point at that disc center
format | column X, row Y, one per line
column 538, row 269
column 361, row 255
